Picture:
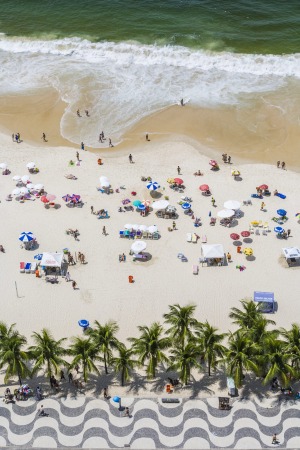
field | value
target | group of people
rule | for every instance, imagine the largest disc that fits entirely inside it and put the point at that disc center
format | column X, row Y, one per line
column 85, row 111
column 282, row 165
column 226, row 159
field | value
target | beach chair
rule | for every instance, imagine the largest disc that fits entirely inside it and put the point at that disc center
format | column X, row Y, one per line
column 145, row 234
column 194, row 238
column 266, row 226
column 150, row 235
column 33, row 267
column 260, row 224
column 22, row 267
column 138, row 235
column 195, row 269
column 204, row 239
column 189, row 237
column 121, row 234
column 257, row 232
column 180, row 255
column 155, row 235
column 127, row 233
column 27, row 267
column 264, row 232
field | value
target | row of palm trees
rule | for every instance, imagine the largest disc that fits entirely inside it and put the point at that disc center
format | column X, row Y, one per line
column 182, row 345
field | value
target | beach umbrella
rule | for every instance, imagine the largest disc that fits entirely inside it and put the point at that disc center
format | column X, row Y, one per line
column 152, row 229
column 204, row 187
column 141, row 207
column 3, row 166
column 281, row 212
column 30, row 186
column 263, row 187
column 136, row 202
column 38, row 186
column 143, row 228
column 279, row 230
column 50, row 197
column 75, row 197
column 225, row 213
column 248, row 251
column 26, row 236
column 16, row 192
column 116, row 399
column 232, row 204
column 138, row 246
column 160, row 204
column 67, row 197
column 186, row 205
column 128, row 226
column 178, row 180
column 25, row 179
column 16, row 178
column 170, row 180
column 153, row 186
column 103, row 179
column 245, row 234
column 213, row 162
column 44, row 199
column 146, row 202
column 30, row 165
column 38, row 256
column 135, row 227
column 235, row 172
column 235, row 236
column 24, row 190
column 83, row 323
column 105, row 184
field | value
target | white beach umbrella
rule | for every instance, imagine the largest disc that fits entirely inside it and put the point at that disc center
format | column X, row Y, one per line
column 25, row 179
column 135, row 227
column 103, row 179
column 16, row 192
column 24, row 190
column 30, row 165
column 105, row 184
column 30, row 186
column 232, row 204
column 16, row 178
column 38, row 186
column 3, row 166
column 128, row 226
column 160, row 204
column 225, row 213
column 152, row 229
column 143, row 228
column 138, row 246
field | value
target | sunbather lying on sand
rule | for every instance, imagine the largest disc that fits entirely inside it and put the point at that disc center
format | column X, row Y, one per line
column 71, row 177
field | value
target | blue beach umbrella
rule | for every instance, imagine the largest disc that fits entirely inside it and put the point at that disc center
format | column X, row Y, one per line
column 83, row 323
column 26, row 236
column 116, row 399
column 141, row 207
column 153, row 186
column 136, row 202
column 186, row 205
column 281, row 212
column 278, row 230
column 39, row 256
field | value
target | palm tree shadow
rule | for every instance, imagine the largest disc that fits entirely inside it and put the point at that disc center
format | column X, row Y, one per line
column 137, row 384
column 203, row 386
column 98, row 383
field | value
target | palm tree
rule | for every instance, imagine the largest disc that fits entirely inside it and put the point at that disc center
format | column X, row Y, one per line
column 150, row 347
column 277, row 361
column 182, row 323
column 240, row 356
column 12, row 353
column 103, row 336
column 47, row 352
column 291, row 345
column 183, row 359
column 258, row 333
column 123, row 364
column 210, row 343
column 84, row 352
column 247, row 317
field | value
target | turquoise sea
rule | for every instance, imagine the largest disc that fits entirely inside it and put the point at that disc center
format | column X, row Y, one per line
column 123, row 59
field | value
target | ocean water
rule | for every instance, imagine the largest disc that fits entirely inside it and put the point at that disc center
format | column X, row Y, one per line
column 124, row 59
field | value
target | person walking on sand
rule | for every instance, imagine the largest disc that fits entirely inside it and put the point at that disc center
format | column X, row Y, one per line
column 104, row 231
column 182, row 102
column 86, row 113
column 74, row 284
column 44, row 137
column 78, row 113
column 68, row 277
column 283, row 165
column 178, row 170
column 213, row 201
column 130, row 158
column 288, row 233
column 105, row 395
column 110, row 143
column 262, row 206
column 147, row 137
column 77, row 156
column 229, row 159
column 82, row 146
column 278, row 164
column 13, row 137
column 92, row 210
column 100, row 138
column 174, row 225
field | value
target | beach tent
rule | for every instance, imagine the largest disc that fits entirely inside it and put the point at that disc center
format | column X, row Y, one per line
column 211, row 251
column 52, row 259
column 265, row 300
column 292, row 255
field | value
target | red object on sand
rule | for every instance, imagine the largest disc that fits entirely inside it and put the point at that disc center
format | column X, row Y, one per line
column 133, row 193
column 204, row 187
column 263, row 186
column 178, row 180
column 235, row 236
column 44, row 199
column 213, row 162
column 245, row 233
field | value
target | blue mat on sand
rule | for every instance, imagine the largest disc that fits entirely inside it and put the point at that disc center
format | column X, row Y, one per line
column 281, row 195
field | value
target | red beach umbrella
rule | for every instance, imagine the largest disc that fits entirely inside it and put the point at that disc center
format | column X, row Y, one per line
column 263, row 187
column 44, row 199
column 178, row 180
column 235, row 236
column 245, row 233
column 204, row 187
column 213, row 162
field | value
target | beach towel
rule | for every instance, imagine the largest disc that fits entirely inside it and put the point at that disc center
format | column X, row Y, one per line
column 281, row 195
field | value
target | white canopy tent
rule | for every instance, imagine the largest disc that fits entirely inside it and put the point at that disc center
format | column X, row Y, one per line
column 212, row 251
column 52, row 259
column 291, row 253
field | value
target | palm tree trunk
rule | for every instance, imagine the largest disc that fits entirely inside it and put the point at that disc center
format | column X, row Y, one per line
column 122, row 377
column 105, row 364
column 20, row 380
column 209, row 367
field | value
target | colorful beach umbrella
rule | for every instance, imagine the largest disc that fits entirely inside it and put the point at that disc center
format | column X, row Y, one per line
column 263, row 187
column 75, row 198
column 39, row 256
column 186, row 205
column 153, row 186
column 235, row 172
column 204, row 187
column 170, row 180
column 213, row 162
column 245, row 234
column 235, row 236
column 178, row 180
column 44, row 199
column 136, row 202
column 281, row 212
column 83, row 323
column 248, row 251
column 67, row 197
column 26, row 236
column 146, row 202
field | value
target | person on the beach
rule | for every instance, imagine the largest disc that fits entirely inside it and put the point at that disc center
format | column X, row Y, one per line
column 92, row 210
column 288, row 233
column 105, row 395
column 262, row 206
column 42, row 412
column 86, row 112
column 174, row 225
column 229, row 159
column 74, row 284
column 178, row 170
column 274, row 439
column 278, row 164
column 275, row 192
column 104, row 231
column 62, row 375
column 127, row 414
column 100, row 138
column 228, row 257
column 82, row 146
column 213, row 201
column 68, row 277
column 78, row 113
column 147, row 137
column 130, row 158
column 283, row 165
column 102, row 135
column 110, row 143
column 44, row 137
column 181, row 102
column 77, row 156
column 70, row 377
column 13, row 137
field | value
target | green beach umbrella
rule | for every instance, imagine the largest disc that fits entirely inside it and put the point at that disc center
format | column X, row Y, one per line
column 136, row 202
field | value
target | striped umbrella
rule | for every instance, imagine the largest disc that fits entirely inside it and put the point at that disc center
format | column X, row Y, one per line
column 67, row 198
column 153, row 186
column 26, row 236
column 39, row 256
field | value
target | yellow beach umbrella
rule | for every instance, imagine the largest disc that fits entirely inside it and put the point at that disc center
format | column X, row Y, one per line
column 255, row 222
column 235, row 172
column 170, row 180
column 248, row 251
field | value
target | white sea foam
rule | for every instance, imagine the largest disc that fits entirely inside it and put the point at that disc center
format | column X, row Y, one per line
column 121, row 82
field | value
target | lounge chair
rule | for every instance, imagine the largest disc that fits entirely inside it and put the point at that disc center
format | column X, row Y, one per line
column 22, row 267
column 257, row 232
column 189, row 237
column 260, row 224
column 138, row 235
column 155, row 235
column 145, row 234
column 27, row 267
column 195, row 269
column 121, row 234
column 204, row 239
column 251, row 229
column 33, row 267
column 194, row 238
